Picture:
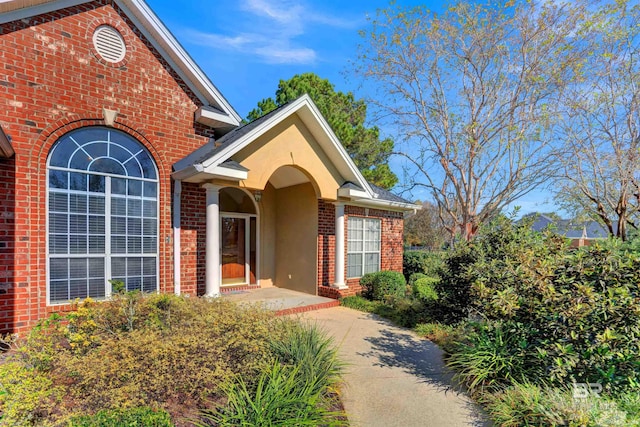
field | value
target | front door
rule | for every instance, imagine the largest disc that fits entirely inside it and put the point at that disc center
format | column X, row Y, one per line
column 238, row 245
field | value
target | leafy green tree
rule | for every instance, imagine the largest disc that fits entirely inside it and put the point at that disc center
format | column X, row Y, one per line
column 346, row 116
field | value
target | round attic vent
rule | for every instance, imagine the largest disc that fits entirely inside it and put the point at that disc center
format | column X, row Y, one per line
column 109, row 44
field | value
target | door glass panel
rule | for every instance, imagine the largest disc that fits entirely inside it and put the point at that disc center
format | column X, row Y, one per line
column 233, row 250
column 252, row 250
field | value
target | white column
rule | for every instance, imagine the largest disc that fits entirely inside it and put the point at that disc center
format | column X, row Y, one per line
column 339, row 249
column 212, row 273
column 177, row 196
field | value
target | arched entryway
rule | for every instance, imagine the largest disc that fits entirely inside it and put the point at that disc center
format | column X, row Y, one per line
column 289, row 224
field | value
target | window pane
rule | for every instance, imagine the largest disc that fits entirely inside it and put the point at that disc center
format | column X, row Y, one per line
column 80, row 160
column 354, row 265
column 62, row 151
column 149, row 284
column 59, row 290
column 134, row 267
column 59, row 243
column 134, row 226
column 96, row 183
column 109, row 166
column 58, row 179
column 134, row 207
column 150, row 209
column 118, row 186
column 118, row 206
column 96, row 224
column 78, row 224
column 77, row 203
column 78, row 244
column 58, row 268
column 97, row 288
column 119, row 267
column 150, row 189
column 96, row 267
column 118, row 245
column 58, row 223
column 150, row 245
column 118, row 225
column 371, row 264
column 135, row 188
column 78, row 289
column 78, row 181
column 58, row 202
column 96, row 245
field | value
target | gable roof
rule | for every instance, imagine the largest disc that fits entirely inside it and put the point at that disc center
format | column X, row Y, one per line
column 215, row 111
column 6, row 150
column 208, row 159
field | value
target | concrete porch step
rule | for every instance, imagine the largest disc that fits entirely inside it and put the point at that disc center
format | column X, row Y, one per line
column 282, row 301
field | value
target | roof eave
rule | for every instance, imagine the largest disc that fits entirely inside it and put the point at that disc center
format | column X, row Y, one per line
column 6, row 150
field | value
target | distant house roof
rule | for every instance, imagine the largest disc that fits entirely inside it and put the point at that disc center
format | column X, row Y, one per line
column 570, row 229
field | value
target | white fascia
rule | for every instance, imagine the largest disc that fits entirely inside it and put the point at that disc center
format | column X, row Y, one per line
column 207, row 116
column 384, row 204
column 222, row 172
column 353, row 193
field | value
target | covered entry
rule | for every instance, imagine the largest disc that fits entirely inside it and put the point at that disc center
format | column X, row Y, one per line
column 290, row 231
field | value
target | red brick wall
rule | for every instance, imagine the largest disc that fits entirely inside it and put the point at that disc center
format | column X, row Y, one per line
column 7, row 236
column 392, row 225
column 193, row 233
column 50, row 83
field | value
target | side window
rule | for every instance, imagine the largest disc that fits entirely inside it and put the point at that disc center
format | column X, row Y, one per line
column 102, row 215
column 363, row 246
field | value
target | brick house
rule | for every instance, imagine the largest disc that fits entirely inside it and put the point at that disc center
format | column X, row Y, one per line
column 120, row 160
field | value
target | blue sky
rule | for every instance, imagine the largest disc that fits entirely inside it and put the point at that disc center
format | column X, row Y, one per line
column 247, row 46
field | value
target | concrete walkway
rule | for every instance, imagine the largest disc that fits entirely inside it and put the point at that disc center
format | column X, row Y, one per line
column 393, row 377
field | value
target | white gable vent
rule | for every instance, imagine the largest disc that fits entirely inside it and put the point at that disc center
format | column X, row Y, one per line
column 109, row 44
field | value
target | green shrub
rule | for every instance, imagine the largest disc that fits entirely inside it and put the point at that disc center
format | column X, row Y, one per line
column 414, row 277
column 282, row 397
column 132, row 417
column 28, row 397
column 161, row 350
column 206, row 343
column 424, row 289
column 377, row 286
column 428, row 263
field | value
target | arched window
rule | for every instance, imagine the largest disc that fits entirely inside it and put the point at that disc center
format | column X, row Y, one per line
column 102, row 215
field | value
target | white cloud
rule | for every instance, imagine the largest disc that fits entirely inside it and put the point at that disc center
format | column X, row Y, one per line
column 272, row 31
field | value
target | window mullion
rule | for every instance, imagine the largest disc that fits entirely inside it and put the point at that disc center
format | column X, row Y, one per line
column 107, row 230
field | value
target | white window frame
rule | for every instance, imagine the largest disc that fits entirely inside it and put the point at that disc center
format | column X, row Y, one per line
column 364, row 252
column 108, row 195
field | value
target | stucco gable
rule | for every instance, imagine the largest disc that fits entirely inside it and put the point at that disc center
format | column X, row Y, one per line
column 215, row 110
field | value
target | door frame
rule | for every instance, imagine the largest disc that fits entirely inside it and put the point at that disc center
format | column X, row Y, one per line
column 247, row 265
